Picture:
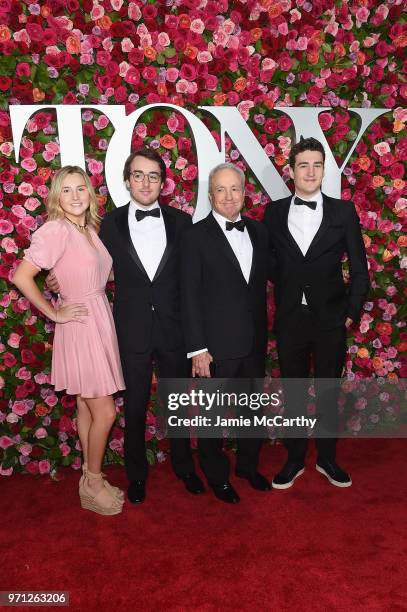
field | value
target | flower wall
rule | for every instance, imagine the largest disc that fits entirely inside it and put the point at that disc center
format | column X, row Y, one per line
column 249, row 54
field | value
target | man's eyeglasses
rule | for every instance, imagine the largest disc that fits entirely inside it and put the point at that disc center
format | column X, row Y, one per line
column 139, row 175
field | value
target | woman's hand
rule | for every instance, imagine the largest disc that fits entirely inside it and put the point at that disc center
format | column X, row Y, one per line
column 71, row 312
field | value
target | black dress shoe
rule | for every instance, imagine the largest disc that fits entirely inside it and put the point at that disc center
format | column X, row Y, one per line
column 193, row 483
column 334, row 473
column 137, row 491
column 256, row 480
column 285, row 478
column 226, row 493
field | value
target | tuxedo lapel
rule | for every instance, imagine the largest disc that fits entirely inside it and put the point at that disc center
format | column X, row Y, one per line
column 122, row 221
column 220, row 240
column 285, row 209
column 325, row 223
column 254, row 240
column 169, row 222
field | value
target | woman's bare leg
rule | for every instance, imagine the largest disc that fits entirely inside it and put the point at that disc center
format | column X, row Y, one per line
column 84, row 421
column 103, row 414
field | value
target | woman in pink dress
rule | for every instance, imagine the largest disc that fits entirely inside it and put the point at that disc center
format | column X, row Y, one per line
column 85, row 358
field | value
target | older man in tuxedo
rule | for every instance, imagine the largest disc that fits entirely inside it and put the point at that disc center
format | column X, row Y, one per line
column 223, row 287
column 143, row 239
column 308, row 235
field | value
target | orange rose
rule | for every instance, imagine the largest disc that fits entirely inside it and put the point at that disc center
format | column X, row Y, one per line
column 162, row 89
column 383, row 328
column 73, row 45
column 5, row 33
column 41, row 410
column 361, row 58
column 219, row 99
column 45, row 12
column 101, row 199
column 105, row 23
column 377, row 180
column 313, row 58
column 398, row 126
column 387, row 255
column 274, row 10
column 364, row 162
column 45, row 173
column 363, row 352
column 377, row 362
column 402, row 241
column 398, row 184
column 402, row 347
column 38, row 94
column 367, row 240
column 191, row 51
column 255, row 34
column 168, row 142
column 150, row 53
column 401, row 41
column 239, row 84
column 268, row 103
column 392, row 377
column 184, row 21
column 280, row 160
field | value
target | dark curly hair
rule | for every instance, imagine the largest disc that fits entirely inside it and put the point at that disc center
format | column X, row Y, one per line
column 305, row 144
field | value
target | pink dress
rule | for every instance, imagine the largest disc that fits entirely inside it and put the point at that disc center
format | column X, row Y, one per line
column 85, row 358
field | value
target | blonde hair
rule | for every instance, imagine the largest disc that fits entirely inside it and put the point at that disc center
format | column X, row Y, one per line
column 53, row 207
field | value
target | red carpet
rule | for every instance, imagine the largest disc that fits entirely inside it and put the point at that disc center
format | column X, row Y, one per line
column 312, row 547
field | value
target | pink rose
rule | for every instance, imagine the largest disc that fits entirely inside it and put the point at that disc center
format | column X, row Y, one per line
column 172, row 123
column 172, row 74
column 29, row 222
column 32, row 204
column 41, row 378
column 325, row 120
column 163, row 39
column 97, row 12
column 6, row 148
column 190, row 173
column 95, row 166
column 6, row 227
column 5, row 442
column 6, row 471
column 51, row 400
column 14, row 340
column 44, row 466
column 9, row 245
column 18, row 211
column 23, row 374
column 382, row 148
column 40, row 433
column 25, row 449
column 127, row 45
column 29, row 164
column 204, row 57
column 21, row 408
column 65, row 449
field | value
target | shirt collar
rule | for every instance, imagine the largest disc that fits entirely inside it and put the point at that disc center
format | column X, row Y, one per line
column 317, row 197
column 222, row 220
column 136, row 206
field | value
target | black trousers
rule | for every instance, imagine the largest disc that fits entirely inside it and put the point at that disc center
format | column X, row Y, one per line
column 214, row 462
column 297, row 347
column 137, row 371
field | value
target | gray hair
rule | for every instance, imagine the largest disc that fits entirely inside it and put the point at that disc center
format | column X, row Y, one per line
column 225, row 166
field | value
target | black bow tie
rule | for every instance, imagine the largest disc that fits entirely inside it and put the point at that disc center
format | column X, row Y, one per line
column 142, row 214
column 300, row 202
column 239, row 225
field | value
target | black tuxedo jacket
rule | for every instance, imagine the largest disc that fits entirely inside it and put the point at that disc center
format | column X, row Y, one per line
column 220, row 310
column 318, row 274
column 136, row 296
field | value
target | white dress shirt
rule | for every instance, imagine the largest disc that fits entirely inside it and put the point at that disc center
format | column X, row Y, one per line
column 303, row 223
column 243, row 249
column 148, row 236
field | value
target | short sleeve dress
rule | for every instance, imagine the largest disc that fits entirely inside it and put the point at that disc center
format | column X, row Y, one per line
column 85, row 357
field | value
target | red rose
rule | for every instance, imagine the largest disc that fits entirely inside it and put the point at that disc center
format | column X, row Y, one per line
column 5, row 83
column 34, row 31
column 27, row 356
column 9, row 360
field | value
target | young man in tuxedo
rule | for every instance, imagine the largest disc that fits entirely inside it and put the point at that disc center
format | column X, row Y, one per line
column 308, row 236
column 224, row 267
column 143, row 239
